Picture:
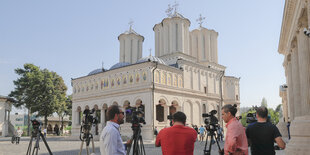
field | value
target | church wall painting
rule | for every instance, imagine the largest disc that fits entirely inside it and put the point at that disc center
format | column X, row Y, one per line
column 144, row 76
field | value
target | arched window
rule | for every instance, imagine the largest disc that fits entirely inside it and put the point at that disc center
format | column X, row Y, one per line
column 127, row 113
column 141, row 107
column 160, row 113
column 204, row 109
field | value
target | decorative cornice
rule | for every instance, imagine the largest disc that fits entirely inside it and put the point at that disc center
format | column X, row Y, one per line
column 287, row 24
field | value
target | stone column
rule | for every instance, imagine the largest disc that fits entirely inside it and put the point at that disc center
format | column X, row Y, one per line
column 290, row 89
column 296, row 80
column 304, row 66
column 300, row 133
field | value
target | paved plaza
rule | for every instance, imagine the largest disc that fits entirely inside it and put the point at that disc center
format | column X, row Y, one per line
column 61, row 146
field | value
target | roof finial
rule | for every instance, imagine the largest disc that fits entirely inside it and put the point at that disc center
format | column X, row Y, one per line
column 175, row 5
column 130, row 25
column 200, row 20
column 169, row 11
column 150, row 52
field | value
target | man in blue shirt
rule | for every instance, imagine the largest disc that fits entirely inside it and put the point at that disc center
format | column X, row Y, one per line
column 201, row 133
column 110, row 139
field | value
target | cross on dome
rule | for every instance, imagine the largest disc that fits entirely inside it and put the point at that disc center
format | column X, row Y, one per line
column 200, row 20
column 175, row 5
column 130, row 24
column 169, row 11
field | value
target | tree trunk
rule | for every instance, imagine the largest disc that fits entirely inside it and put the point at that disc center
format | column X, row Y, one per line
column 45, row 120
column 28, row 130
column 62, row 124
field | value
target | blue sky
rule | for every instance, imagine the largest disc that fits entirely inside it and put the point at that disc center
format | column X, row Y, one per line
column 74, row 37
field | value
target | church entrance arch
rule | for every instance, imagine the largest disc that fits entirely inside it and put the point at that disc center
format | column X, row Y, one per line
column 174, row 107
column 196, row 114
column 187, row 109
column 160, row 110
column 98, row 115
column 140, row 106
column 128, row 116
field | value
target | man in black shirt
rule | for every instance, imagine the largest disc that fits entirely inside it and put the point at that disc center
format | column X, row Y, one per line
column 262, row 134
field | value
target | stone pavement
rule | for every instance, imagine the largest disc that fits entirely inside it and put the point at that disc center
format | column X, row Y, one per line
column 61, row 146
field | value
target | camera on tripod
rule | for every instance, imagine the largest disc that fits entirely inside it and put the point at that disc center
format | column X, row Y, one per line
column 251, row 118
column 137, row 114
column 210, row 120
column 35, row 124
column 89, row 119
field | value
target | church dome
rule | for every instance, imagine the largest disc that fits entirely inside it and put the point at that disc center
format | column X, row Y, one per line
column 96, row 71
column 119, row 65
column 153, row 59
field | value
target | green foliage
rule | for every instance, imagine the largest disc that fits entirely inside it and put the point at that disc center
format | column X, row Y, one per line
column 274, row 116
column 39, row 90
column 243, row 120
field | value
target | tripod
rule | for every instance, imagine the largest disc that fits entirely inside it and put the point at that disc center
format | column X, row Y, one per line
column 212, row 135
column 138, row 147
column 37, row 134
column 87, row 137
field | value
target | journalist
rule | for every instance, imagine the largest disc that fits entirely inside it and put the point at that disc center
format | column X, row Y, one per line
column 178, row 139
column 110, row 139
column 262, row 134
column 235, row 141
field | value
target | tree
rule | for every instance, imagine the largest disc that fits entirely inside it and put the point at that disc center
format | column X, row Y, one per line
column 264, row 102
column 64, row 109
column 274, row 116
column 279, row 110
column 39, row 90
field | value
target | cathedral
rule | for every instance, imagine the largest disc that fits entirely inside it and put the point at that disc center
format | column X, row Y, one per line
column 184, row 75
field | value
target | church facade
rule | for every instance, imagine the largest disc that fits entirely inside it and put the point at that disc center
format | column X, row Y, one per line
column 294, row 45
column 184, row 75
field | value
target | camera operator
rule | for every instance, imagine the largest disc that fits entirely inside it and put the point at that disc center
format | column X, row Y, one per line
column 178, row 139
column 262, row 134
column 110, row 138
column 235, row 141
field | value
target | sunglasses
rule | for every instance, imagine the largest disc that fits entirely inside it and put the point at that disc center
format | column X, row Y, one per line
column 122, row 113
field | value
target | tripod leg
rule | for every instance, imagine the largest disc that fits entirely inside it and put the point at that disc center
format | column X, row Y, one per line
column 87, row 150
column 207, row 137
column 142, row 146
column 29, row 146
column 93, row 145
column 36, row 145
column 81, row 148
column 210, row 145
column 46, row 145
column 217, row 142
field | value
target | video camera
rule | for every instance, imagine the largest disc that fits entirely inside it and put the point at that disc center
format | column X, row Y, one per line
column 210, row 120
column 35, row 124
column 251, row 118
column 89, row 119
column 137, row 114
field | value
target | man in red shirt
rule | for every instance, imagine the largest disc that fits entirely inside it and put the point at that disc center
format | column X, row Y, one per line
column 178, row 139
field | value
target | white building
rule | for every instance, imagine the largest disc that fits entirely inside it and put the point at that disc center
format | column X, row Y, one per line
column 294, row 44
column 6, row 128
column 184, row 75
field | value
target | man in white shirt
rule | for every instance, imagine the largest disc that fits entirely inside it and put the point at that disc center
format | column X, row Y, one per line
column 19, row 133
column 110, row 139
